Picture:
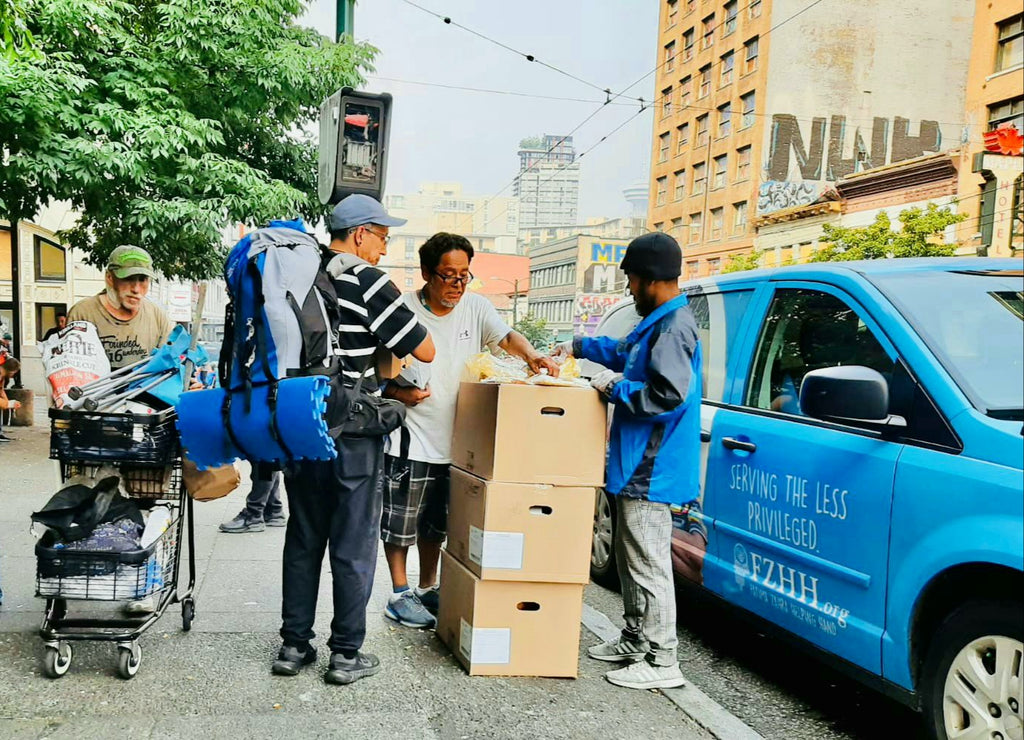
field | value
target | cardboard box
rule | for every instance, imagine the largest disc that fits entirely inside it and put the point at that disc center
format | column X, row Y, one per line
column 509, row 628
column 530, row 434
column 520, row 531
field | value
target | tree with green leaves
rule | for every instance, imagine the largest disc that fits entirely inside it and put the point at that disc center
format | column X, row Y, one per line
column 741, row 262
column 919, row 237
column 163, row 122
column 535, row 330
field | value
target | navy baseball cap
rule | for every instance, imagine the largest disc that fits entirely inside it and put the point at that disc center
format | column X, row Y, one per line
column 359, row 210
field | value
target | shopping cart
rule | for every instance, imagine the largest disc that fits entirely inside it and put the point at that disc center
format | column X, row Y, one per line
column 147, row 454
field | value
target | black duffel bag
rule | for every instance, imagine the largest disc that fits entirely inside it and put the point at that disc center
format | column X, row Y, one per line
column 353, row 411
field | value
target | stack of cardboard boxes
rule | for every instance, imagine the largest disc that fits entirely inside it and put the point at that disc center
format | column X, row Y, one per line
column 526, row 461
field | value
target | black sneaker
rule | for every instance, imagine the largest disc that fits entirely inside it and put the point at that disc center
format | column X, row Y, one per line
column 346, row 670
column 290, row 660
column 5, row 438
column 244, row 522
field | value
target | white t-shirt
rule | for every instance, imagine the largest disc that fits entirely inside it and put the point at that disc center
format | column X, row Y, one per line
column 468, row 329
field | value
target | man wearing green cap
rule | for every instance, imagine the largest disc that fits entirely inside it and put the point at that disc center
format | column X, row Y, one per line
column 129, row 326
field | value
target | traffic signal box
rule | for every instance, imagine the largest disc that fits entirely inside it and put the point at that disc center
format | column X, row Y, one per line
column 526, row 463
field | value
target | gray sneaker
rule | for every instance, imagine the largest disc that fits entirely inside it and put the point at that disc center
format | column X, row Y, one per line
column 275, row 520
column 643, row 675
column 619, row 650
column 244, row 522
column 407, row 609
column 344, row 670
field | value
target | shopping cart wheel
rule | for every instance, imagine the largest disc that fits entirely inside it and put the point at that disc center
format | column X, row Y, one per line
column 188, row 613
column 129, row 658
column 57, row 659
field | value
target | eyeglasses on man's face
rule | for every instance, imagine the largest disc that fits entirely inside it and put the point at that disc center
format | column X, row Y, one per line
column 454, row 280
column 382, row 236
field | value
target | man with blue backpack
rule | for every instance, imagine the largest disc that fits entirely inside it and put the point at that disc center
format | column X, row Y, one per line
column 654, row 386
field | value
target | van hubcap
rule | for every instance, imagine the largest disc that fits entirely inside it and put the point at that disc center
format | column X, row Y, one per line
column 985, row 690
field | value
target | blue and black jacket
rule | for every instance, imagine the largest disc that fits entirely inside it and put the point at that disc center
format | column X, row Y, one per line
column 654, row 452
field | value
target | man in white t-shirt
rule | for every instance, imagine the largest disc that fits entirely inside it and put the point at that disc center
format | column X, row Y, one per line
column 462, row 324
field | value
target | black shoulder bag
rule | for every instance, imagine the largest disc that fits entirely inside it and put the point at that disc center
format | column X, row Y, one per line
column 353, row 411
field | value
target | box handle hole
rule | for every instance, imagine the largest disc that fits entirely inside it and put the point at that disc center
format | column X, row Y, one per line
column 540, row 510
column 552, row 411
column 528, row 606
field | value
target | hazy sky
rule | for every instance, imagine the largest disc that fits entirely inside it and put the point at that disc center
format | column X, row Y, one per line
column 472, row 137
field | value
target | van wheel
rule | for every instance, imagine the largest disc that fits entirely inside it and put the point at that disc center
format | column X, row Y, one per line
column 602, row 554
column 972, row 684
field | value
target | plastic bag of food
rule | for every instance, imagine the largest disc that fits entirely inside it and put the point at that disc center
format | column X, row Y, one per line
column 487, row 368
column 73, row 356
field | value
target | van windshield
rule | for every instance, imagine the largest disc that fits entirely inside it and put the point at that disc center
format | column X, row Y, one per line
column 973, row 320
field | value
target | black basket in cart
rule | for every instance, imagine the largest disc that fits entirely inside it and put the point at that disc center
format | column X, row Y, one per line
column 66, row 573
column 143, row 484
column 143, row 439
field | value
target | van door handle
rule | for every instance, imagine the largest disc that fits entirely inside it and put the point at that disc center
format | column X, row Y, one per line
column 705, row 436
column 737, row 444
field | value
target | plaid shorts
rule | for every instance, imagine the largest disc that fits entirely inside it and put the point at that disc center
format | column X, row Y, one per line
column 415, row 501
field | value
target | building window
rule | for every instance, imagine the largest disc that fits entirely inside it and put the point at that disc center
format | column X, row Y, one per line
column 754, row 8
column 680, row 188
column 717, row 219
column 724, row 120
column 666, row 102
column 46, row 317
column 51, row 263
column 715, row 266
column 660, row 226
column 676, row 228
column 662, row 188
column 699, row 179
column 691, row 5
column 663, row 144
column 743, row 163
column 705, row 81
column 408, row 282
column 685, row 90
column 682, row 137
column 670, row 56
column 721, row 168
column 748, row 102
column 688, row 45
column 702, row 130
column 728, row 61
column 1011, row 44
column 1007, row 112
column 731, row 11
column 707, row 32
column 696, row 222
column 750, row 63
column 739, row 217
column 673, row 7
column 692, row 266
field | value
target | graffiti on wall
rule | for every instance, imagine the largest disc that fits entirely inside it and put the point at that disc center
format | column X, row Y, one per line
column 790, row 151
column 774, row 195
column 590, row 309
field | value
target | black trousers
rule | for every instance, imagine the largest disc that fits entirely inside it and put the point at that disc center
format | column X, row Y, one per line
column 337, row 504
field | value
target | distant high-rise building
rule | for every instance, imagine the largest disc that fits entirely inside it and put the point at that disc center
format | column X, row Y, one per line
column 548, row 186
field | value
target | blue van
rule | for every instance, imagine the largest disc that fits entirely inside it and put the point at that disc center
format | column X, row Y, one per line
column 863, row 473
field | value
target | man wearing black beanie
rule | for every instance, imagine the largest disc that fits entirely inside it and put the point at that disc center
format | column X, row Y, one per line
column 654, row 384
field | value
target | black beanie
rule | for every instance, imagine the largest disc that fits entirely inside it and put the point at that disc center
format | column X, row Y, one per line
column 654, row 256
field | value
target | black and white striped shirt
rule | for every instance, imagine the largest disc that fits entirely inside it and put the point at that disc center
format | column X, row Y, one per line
column 372, row 312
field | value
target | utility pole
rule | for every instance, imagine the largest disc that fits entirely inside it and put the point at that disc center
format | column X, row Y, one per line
column 515, row 296
column 345, row 18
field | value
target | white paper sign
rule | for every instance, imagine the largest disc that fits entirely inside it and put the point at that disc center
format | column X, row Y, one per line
column 502, row 550
column 492, row 645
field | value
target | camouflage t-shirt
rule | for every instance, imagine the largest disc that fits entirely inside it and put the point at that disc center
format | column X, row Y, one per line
column 128, row 341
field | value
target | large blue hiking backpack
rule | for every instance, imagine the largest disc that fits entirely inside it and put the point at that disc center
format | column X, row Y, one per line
column 283, row 308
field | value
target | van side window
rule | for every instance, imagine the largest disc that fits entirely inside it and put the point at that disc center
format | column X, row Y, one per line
column 808, row 330
column 718, row 317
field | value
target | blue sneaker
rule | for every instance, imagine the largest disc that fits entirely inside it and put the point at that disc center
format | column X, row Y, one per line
column 407, row 609
column 431, row 599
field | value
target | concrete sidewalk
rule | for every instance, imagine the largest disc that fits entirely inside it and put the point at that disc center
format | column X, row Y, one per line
column 215, row 681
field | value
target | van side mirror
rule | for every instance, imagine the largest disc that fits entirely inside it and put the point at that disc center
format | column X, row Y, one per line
column 850, row 393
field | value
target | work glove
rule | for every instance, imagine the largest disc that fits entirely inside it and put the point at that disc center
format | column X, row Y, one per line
column 605, row 382
column 562, row 349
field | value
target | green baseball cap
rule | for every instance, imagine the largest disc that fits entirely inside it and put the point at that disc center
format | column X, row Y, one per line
column 128, row 260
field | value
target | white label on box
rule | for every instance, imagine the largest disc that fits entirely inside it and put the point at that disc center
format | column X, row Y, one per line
column 491, row 645
column 502, row 550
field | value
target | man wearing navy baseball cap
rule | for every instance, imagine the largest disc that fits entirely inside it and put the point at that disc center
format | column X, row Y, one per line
column 359, row 225
column 654, row 386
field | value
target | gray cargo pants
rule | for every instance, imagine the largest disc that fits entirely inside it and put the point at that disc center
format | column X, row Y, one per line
column 643, row 552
